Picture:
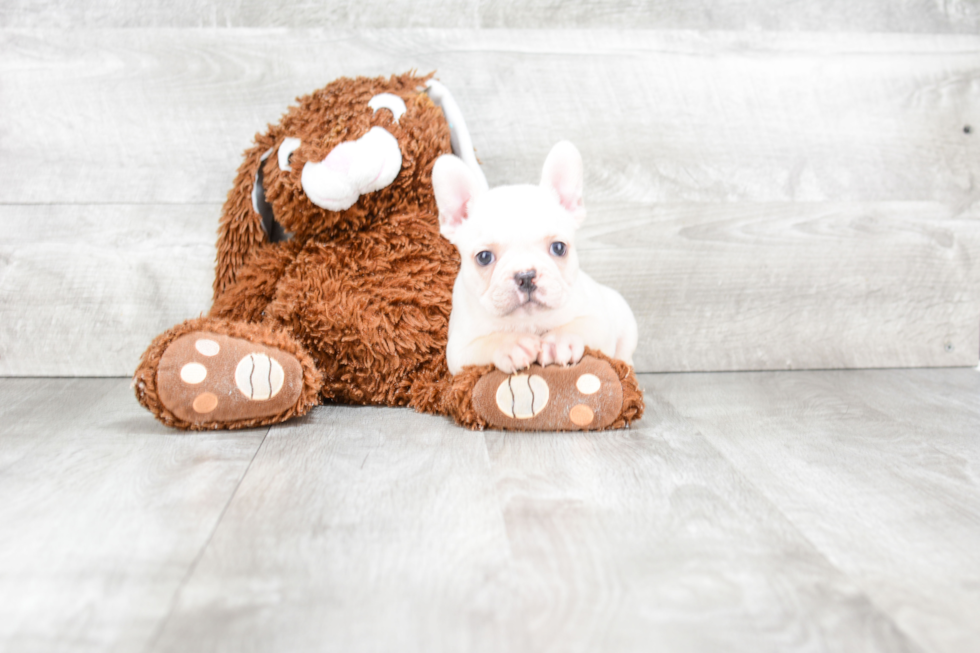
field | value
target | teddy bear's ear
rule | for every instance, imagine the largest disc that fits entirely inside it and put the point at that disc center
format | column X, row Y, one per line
column 563, row 174
column 455, row 187
column 459, row 135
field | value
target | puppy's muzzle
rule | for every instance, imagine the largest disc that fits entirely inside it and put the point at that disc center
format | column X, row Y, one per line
column 525, row 281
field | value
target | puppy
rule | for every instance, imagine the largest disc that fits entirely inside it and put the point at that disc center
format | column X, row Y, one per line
column 520, row 297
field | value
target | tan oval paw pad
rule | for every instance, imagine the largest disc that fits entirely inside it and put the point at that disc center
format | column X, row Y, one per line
column 259, row 377
column 522, row 396
column 205, row 403
column 588, row 384
column 207, row 347
column 193, row 373
column 581, row 415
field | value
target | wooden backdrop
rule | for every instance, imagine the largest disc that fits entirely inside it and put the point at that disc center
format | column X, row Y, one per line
column 772, row 185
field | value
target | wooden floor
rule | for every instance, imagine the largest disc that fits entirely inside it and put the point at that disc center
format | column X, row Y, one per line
column 766, row 511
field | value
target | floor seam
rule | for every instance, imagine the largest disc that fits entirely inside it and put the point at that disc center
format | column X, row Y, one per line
column 496, row 495
column 151, row 644
column 855, row 582
column 884, row 613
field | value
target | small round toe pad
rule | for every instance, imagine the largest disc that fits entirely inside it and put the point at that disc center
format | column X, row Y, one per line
column 587, row 396
column 209, row 378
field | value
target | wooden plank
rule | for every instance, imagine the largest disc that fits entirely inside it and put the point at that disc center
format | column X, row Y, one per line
column 84, row 289
column 356, row 529
column 878, row 469
column 778, row 15
column 650, row 540
column 238, row 13
column 754, row 511
column 365, row 529
column 792, row 286
column 724, row 163
column 925, row 16
column 137, row 116
column 104, row 512
column 734, row 286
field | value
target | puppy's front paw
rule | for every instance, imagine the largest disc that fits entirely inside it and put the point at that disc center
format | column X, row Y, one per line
column 561, row 349
column 517, row 353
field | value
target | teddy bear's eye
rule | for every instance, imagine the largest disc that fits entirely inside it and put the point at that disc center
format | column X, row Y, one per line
column 484, row 258
column 289, row 145
column 390, row 102
column 558, row 249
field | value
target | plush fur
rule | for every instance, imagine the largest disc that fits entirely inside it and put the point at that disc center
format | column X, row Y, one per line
column 361, row 296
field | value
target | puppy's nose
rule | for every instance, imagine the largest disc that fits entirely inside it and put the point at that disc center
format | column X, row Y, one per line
column 525, row 280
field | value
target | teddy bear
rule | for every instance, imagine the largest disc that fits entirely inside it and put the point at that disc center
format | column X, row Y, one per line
column 334, row 284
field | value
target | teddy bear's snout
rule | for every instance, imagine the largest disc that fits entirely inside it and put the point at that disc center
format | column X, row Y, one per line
column 351, row 169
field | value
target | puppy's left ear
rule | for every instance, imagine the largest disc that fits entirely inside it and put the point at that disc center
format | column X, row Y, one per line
column 455, row 187
column 563, row 174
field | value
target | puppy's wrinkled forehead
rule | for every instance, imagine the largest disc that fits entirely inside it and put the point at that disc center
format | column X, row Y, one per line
column 520, row 213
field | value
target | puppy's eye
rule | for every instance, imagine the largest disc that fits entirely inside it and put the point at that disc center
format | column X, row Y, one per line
column 558, row 249
column 484, row 258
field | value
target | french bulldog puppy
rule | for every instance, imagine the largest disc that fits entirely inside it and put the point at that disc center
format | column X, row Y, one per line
column 520, row 296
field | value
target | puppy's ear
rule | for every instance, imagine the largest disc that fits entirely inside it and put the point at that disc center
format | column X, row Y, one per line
column 563, row 174
column 455, row 187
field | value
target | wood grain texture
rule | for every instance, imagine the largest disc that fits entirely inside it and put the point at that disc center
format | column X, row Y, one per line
column 960, row 16
column 137, row 116
column 104, row 511
column 878, row 469
column 714, row 287
column 239, row 13
column 83, row 289
column 793, row 511
column 356, row 529
column 764, row 201
column 375, row 529
column 926, row 16
column 792, row 285
column 649, row 540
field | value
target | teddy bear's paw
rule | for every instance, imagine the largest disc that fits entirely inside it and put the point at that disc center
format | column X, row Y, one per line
column 210, row 379
column 584, row 397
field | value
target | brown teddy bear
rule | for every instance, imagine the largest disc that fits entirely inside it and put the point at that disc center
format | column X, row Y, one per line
column 334, row 284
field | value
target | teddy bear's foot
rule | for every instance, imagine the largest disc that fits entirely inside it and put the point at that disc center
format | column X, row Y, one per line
column 586, row 396
column 208, row 378
column 225, row 375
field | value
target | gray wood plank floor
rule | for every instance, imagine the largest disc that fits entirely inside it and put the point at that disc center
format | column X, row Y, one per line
column 770, row 511
column 102, row 513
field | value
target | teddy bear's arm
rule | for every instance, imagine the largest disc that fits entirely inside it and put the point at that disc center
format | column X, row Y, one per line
column 254, row 288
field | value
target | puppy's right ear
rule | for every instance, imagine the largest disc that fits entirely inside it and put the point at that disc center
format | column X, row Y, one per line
column 455, row 187
column 563, row 174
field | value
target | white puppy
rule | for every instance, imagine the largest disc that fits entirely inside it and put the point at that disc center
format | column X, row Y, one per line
column 520, row 297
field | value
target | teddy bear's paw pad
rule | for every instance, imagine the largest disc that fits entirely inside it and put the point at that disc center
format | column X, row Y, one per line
column 584, row 397
column 209, row 378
